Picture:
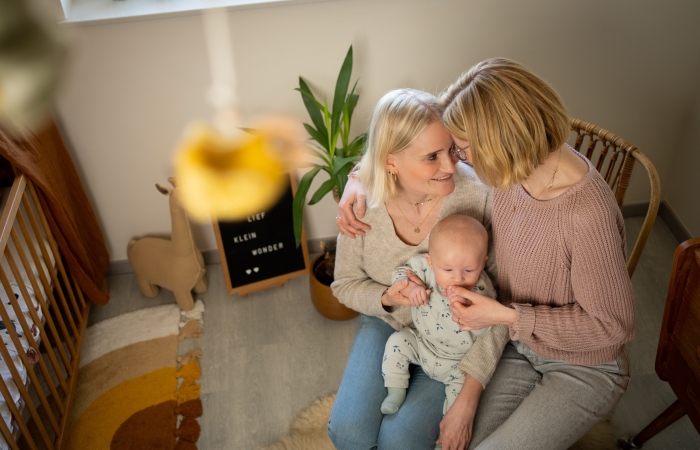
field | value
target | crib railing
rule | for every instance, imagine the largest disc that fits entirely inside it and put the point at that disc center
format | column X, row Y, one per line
column 44, row 317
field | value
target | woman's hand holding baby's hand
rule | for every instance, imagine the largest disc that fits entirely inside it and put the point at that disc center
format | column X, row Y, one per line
column 393, row 295
column 416, row 291
column 474, row 311
column 419, row 295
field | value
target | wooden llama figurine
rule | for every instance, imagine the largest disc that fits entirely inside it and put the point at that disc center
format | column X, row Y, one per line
column 175, row 264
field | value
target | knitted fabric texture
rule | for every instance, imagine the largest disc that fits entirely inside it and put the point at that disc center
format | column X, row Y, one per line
column 561, row 265
column 364, row 266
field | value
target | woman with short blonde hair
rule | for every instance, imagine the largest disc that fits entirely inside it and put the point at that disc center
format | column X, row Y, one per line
column 565, row 294
column 532, row 120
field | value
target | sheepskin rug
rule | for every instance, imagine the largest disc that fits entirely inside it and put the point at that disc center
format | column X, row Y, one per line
column 308, row 431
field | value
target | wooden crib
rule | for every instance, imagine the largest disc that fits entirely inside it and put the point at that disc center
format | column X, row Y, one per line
column 44, row 315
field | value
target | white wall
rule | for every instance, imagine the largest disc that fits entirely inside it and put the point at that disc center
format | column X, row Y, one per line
column 629, row 66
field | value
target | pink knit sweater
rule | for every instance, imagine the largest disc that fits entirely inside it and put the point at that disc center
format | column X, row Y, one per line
column 561, row 265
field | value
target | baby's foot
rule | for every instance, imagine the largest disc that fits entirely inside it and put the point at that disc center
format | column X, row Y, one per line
column 394, row 400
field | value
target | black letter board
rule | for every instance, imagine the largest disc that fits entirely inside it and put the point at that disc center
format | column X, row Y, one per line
column 260, row 251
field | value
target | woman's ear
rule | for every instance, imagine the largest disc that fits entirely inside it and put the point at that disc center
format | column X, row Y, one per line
column 390, row 164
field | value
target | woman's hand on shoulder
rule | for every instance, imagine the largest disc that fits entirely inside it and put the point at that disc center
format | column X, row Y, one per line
column 348, row 224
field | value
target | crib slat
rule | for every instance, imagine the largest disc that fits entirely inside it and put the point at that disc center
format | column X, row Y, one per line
column 10, row 210
column 54, row 249
column 16, row 414
column 47, row 289
column 52, row 271
column 62, row 436
column 33, row 314
column 81, row 297
column 27, row 365
column 33, row 344
column 28, row 333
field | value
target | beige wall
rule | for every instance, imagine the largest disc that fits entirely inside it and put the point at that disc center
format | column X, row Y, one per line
column 629, row 66
column 683, row 192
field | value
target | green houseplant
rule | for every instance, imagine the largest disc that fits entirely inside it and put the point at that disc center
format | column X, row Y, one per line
column 337, row 154
column 331, row 124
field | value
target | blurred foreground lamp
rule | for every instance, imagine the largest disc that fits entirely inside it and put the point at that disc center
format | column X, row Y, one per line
column 31, row 59
column 223, row 169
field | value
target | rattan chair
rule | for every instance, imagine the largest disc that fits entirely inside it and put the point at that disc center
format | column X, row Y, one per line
column 615, row 158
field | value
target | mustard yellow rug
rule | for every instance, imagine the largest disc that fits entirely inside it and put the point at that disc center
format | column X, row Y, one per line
column 133, row 391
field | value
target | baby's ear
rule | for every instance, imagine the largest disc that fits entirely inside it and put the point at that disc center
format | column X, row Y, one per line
column 430, row 263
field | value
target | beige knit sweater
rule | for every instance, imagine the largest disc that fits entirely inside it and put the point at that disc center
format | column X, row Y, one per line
column 561, row 265
column 364, row 266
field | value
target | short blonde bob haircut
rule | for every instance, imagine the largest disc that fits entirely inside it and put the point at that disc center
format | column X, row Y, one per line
column 399, row 117
column 511, row 117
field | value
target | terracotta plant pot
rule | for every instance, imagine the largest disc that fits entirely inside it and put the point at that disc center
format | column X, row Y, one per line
column 322, row 296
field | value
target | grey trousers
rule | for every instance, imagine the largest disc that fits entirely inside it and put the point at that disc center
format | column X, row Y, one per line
column 533, row 402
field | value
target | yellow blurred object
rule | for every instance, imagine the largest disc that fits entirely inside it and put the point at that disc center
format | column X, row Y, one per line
column 228, row 178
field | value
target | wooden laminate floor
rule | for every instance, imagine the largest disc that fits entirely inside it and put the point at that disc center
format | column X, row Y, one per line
column 269, row 355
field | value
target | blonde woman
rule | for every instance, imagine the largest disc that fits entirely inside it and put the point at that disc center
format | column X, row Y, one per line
column 409, row 168
column 560, row 248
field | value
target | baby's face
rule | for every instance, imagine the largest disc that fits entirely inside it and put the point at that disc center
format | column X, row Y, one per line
column 456, row 265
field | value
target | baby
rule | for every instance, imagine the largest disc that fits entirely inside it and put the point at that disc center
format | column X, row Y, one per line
column 457, row 253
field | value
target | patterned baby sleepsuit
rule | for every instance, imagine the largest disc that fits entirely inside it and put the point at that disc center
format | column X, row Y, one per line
column 433, row 340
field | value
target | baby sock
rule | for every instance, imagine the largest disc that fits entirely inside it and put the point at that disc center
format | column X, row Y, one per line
column 394, row 400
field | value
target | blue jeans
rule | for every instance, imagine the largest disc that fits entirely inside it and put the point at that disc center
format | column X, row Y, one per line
column 356, row 423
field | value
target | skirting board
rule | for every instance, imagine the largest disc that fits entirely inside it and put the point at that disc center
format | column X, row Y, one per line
column 210, row 257
column 632, row 210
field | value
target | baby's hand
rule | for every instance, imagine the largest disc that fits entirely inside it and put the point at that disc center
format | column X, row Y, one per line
column 419, row 296
column 411, row 291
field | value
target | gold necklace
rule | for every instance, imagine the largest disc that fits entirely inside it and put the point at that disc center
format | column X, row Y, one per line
column 549, row 184
column 420, row 203
column 416, row 228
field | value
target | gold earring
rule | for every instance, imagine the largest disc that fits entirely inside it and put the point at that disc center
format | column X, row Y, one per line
column 394, row 174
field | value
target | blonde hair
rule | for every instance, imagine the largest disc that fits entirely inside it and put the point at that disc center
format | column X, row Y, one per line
column 399, row 117
column 511, row 117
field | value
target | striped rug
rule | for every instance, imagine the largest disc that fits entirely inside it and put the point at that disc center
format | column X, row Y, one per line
column 134, row 391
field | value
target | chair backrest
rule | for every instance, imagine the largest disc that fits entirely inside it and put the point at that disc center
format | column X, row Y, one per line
column 614, row 158
column 683, row 287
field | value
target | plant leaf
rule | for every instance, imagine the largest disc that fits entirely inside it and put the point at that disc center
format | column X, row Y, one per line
column 341, row 163
column 327, row 116
column 322, row 191
column 320, row 155
column 352, row 102
column 341, row 178
column 356, row 146
column 318, row 137
column 341, row 90
column 313, row 107
column 299, row 200
column 310, row 96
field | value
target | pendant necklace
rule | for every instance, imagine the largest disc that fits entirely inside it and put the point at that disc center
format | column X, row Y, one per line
column 547, row 187
column 420, row 203
column 416, row 228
